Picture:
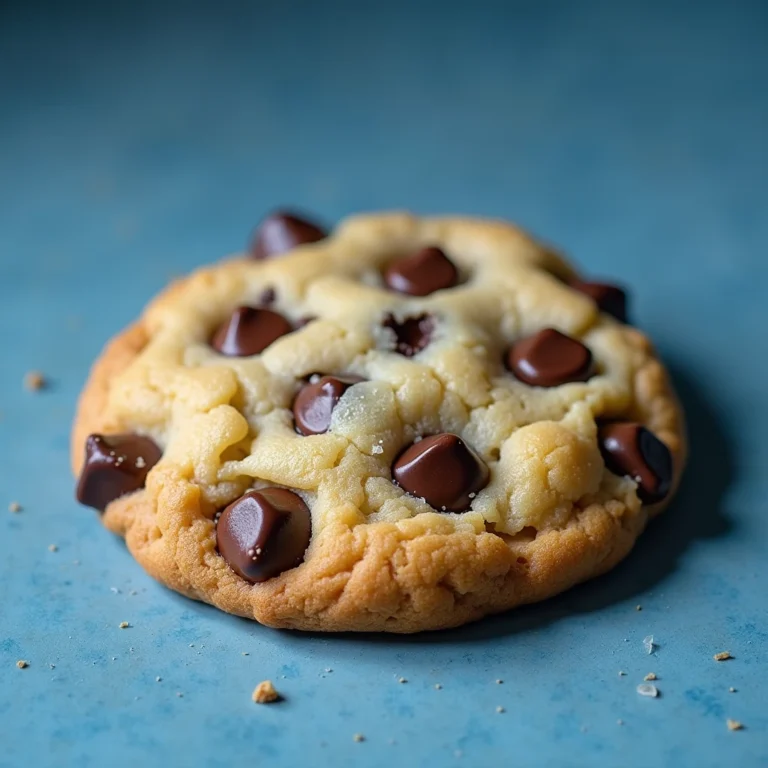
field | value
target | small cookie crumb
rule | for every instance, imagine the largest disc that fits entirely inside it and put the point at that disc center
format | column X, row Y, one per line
column 648, row 644
column 650, row 676
column 438, row 686
column 499, row 682
column 722, row 656
column 500, row 709
column 638, row 607
column 21, row 664
column 402, row 680
column 14, row 506
column 123, row 625
column 731, row 690
column 646, row 689
column 53, row 548
column 158, row 679
column 34, row 380
column 265, row 693
column 358, row 737
column 622, row 673
column 734, row 725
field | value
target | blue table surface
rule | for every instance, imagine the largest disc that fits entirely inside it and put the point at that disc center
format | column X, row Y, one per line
column 138, row 141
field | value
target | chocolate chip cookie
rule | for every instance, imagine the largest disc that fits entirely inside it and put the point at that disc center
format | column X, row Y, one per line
column 403, row 424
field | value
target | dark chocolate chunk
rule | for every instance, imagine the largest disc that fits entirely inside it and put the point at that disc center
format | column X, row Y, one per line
column 422, row 273
column 630, row 449
column 315, row 402
column 264, row 533
column 442, row 470
column 609, row 298
column 412, row 334
column 268, row 296
column 248, row 331
column 114, row 466
column 550, row 358
column 281, row 232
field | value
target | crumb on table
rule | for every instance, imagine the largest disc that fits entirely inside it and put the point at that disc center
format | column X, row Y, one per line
column 265, row 693
column 722, row 656
column 734, row 725
column 21, row 664
column 34, row 380
column 648, row 644
column 358, row 737
column 53, row 548
column 14, row 506
column 650, row 676
column 123, row 625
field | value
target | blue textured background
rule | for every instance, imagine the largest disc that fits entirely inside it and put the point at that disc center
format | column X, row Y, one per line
column 138, row 141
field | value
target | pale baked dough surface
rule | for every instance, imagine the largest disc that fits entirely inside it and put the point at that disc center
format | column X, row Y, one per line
column 551, row 516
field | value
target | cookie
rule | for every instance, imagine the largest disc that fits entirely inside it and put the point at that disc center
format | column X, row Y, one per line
column 404, row 424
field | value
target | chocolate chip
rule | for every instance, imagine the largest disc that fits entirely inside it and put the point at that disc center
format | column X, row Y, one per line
column 114, row 466
column 268, row 296
column 609, row 298
column 281, row 232
column 412, row 334
column 550, row 358
column 422, row 273
column 442, row 470
column 264, row 533
column 315, row 402
column 248, row 331
column 630, row 449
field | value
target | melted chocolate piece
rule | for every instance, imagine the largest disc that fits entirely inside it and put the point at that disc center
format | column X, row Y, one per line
column 442, row 470
column 248, row 331
column 422, row 273
column 264, row 533
column 609, row 298
column 412, row 334
column 282, row 232
column 550, row 358
column 630, row 449
column 114, row 466
column 315, row 402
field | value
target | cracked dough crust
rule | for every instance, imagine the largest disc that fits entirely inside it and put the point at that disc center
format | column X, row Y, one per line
column 551, row 517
